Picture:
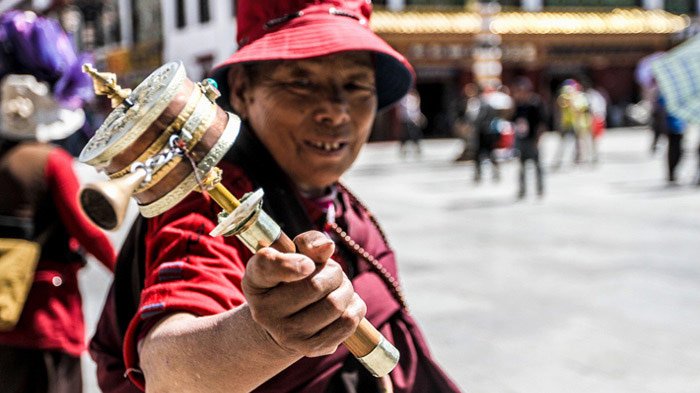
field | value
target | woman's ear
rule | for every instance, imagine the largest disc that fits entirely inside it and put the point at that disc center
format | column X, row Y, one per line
column 239, row 83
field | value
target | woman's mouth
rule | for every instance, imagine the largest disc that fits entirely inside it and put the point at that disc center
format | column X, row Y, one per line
column 326, row 147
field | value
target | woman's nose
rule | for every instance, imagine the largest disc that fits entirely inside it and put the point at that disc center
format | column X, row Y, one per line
column 332, row 114
column 333, row 109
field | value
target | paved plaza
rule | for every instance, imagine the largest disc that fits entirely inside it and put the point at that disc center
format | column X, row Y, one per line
column 593, row 288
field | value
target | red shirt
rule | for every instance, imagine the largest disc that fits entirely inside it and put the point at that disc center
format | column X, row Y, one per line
column 186, row 269
column 189, row 271
column 52, row 317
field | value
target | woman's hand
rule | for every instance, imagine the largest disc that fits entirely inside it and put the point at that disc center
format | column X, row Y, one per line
column 304, row 302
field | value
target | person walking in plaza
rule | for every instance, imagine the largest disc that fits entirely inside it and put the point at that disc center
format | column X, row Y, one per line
column 528, row 122
column 657, row 118
column 487, row 131
column 697, row 173
column 673, row 128
column 598, row 108
column 41, row 95
column 467, row 110
column 306, row 81
column 574, row 122
column 412, row 122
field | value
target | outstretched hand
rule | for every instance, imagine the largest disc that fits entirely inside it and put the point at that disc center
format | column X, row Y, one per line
column 303, row 300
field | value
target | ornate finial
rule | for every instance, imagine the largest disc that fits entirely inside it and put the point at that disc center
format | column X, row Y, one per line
column 210, row 89
column 105, row 84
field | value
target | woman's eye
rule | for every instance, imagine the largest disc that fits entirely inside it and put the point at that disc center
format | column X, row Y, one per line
column 359, row 86
column 301, row 84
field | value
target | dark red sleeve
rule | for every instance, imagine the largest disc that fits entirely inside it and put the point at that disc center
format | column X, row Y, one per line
column 105, row 350
column 186, row 271
column 64, row 186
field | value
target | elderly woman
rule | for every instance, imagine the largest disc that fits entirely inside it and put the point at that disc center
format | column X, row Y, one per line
column 307, row 82
column 42, row 92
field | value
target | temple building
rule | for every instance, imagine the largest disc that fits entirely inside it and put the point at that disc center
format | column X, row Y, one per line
column 449, row 42
column 549, row 41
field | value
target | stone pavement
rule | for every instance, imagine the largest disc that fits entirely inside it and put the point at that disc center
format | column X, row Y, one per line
column 594, row 288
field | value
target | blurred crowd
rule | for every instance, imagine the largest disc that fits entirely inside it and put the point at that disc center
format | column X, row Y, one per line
column 498, row 122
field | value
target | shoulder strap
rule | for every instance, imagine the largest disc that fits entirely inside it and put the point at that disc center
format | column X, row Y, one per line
column 129, row 275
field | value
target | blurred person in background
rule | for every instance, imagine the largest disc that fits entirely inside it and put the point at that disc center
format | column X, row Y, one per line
column 467, row 110
column 214, row 317
column 528, row 123
column 412, row 121
column 494, row 105
column 598, row 107
column 41, row 95
column 574, row 121
column 658, row 116
column 673, row 128
column 697, row 174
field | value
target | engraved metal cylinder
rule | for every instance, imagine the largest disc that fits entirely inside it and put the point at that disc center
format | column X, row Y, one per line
column 167, row 103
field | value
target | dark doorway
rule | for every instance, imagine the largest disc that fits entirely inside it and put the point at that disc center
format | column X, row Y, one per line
column 434, row 108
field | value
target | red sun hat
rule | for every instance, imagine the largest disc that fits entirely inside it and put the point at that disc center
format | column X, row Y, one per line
column 302, row 29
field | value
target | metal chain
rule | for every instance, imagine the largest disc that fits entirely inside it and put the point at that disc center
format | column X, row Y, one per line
column 160, row 159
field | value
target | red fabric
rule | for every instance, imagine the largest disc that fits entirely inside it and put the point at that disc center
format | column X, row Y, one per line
column 186, row 270
column 64, row 187
column 258, row 13
column 315, row 32
column 598, row 127
column 329, row 35
column 52, row 317
column 507, row 138
column 303, row 29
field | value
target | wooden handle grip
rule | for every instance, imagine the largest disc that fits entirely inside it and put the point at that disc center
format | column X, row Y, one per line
column 283, row 243
column 364, row 340
column 367, row 343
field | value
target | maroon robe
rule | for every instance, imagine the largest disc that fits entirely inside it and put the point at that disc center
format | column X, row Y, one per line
column 185, row 270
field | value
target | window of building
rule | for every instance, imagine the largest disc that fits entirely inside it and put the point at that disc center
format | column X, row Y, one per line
column 592, row 3
column 180, row 17
column 95, row 24
column 204, row 15
column 680, row 6
column 146, row 21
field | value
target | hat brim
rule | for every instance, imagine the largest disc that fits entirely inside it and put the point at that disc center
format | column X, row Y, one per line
column 316, row 35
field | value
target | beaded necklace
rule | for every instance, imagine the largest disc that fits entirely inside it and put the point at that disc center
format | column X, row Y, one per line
column 359, row 251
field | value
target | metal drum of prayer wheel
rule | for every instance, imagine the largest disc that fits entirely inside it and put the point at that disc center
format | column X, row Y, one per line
column 163, row 141
column 164, row 112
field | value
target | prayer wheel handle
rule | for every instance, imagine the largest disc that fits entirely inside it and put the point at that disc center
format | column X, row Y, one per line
column 367, row 344
column 247, row 220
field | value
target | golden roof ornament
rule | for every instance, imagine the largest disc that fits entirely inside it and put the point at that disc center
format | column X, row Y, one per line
column 105, row 84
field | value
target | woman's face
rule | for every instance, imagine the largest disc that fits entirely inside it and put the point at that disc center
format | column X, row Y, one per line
column 313, row 115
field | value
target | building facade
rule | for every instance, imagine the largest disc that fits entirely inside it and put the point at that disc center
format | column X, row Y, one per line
column 200, row 33
column 133, row 37
column 546, row 40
